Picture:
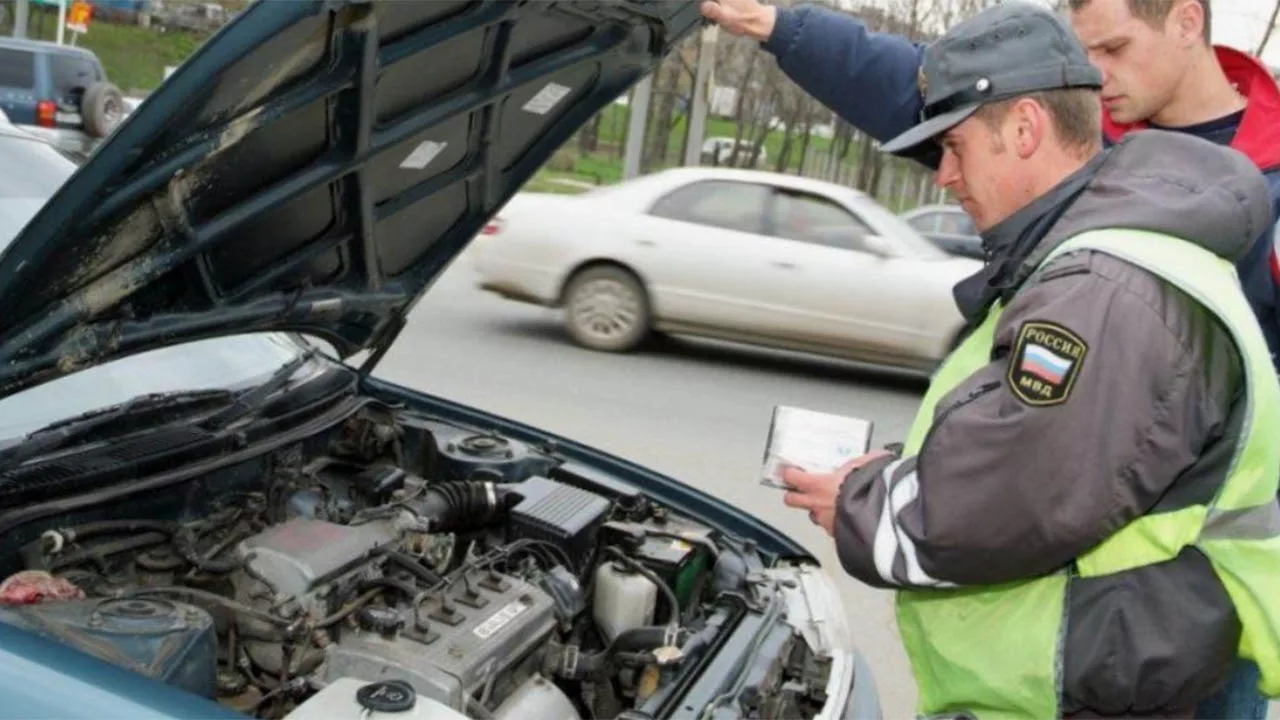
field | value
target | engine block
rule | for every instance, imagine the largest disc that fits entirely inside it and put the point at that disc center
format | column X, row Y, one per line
column 470, row 639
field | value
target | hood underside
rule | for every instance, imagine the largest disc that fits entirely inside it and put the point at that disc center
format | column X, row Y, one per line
column 313, row 168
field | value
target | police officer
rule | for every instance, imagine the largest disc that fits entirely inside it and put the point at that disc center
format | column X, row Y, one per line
column 1082, row 520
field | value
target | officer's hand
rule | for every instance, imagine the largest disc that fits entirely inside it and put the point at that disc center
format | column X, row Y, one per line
column 742, row 17
column 817, row 492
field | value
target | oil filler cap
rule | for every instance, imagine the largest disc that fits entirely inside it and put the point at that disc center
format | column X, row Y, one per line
column 390, row 696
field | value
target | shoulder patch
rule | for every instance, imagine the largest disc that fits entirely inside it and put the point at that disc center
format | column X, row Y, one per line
column 1045, row 363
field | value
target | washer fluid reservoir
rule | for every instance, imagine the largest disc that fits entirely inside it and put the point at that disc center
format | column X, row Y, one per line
column 623, row 600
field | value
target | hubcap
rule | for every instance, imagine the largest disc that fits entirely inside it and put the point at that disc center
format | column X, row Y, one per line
column 605, row 310
column 113, row 112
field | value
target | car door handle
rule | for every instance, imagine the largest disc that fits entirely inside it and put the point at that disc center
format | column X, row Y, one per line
column 646, row 243
column 784, row 264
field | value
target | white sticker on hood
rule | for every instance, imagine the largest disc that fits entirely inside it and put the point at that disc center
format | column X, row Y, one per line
column 546, row 99
column 423, row 155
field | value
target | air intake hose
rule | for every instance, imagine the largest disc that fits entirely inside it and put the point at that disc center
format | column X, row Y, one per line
column 569, row 662
column 454, row 506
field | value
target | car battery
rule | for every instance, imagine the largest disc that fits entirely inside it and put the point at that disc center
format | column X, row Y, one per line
column 675, row 552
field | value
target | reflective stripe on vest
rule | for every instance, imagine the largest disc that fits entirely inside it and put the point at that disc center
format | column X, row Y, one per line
column 949, row 634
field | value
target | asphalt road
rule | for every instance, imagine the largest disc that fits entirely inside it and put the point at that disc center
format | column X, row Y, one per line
column 697, row 411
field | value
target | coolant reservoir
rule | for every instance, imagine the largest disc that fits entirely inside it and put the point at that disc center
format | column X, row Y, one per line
column 623, row 600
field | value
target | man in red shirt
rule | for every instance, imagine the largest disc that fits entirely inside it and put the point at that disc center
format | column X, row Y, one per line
column 1160, row 70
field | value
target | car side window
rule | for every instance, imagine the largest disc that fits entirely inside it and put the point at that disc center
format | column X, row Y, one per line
column 72, row 75
column 17, row 69
column 805, row 217
column 717, row 203
column 925, row 222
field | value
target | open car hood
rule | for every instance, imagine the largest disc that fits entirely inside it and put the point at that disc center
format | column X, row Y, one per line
column 313, row 168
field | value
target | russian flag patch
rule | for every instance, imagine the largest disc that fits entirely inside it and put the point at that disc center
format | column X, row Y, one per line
column 1045, row 363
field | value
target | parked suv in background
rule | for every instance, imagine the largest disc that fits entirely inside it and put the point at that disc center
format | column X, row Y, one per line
column 58, row 92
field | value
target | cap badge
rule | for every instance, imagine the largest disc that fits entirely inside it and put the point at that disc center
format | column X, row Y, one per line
column 983, row 85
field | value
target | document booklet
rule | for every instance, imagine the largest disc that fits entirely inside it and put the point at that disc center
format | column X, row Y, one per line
column 812, row 441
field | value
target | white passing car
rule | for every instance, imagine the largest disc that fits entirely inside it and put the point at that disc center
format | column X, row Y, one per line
column 748, row 256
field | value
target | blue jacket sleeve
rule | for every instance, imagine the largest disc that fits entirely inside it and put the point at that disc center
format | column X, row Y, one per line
column 1259, row 281
column 867, row 78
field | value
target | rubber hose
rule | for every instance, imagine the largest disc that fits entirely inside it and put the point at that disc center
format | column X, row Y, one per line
column 475, row 708
column 389, row 583
column 232, row 605
column 113, row 527
column 663, row 587
column 460, row 505
column 184, row 542
column 628, row 643
column 106, row 549
column 349, row 608
column 706, row 635
column 729, row 572
column 641, row 638
column 587, row 664
column 419, row 570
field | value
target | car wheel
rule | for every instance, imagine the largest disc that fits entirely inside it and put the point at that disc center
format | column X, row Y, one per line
column 606, row 308
column 102, row 109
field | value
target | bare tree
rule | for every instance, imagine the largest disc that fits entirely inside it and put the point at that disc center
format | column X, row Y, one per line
column 798, row 112
column 666, row 88
column 740, row 110
column 762, row 107
column 1271, row 26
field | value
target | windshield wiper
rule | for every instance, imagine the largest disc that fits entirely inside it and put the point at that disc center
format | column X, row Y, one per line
column 55, row 435
column 247, row 403
column 234, row 406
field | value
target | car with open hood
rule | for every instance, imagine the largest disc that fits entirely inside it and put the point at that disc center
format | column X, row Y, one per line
column 209, row 507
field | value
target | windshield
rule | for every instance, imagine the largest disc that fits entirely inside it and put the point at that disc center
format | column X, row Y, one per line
column 230, row 363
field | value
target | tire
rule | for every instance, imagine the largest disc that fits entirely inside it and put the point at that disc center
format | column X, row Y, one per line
column 606, row 309
column 102, row 109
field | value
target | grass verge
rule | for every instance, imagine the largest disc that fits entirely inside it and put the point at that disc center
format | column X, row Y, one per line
column 134, row 57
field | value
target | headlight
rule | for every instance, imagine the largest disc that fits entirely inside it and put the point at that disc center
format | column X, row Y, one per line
column 816, row 611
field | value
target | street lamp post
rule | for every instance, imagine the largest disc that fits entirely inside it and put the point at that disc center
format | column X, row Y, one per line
column 701, row 95
column 639, row 107
column 62, row 19
column 21, row 11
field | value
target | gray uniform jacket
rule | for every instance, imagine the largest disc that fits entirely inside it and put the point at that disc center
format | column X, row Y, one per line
column 1014, row 482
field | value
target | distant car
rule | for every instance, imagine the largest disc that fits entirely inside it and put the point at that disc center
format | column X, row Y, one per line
column 763, row 258
column 949, row 227
column 188, row 16
column 59, row 93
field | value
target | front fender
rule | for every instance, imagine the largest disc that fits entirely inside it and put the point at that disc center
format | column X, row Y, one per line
column 40, row 678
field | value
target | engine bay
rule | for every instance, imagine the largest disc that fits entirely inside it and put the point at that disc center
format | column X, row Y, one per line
column 482, row 573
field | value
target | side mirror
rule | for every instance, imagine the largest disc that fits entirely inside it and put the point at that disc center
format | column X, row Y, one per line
column 879, row 246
